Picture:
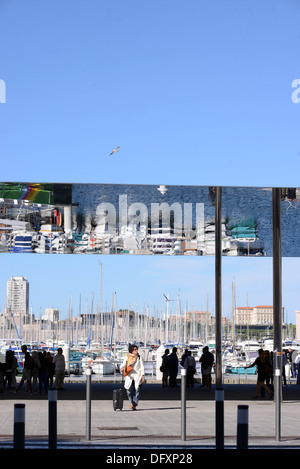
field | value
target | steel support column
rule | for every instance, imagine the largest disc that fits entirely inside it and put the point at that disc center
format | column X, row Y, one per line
column 277, row 303
column 218, row 285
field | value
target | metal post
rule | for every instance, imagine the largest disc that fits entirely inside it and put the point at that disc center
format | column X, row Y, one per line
column 218, row 284
column 183, row 404
column 242, row 427
column 52, row 418
column 219, row 418
column 277, row 303
column 19, row 426
column 88, row 402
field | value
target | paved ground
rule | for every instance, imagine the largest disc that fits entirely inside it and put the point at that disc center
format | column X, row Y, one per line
column 157, row 422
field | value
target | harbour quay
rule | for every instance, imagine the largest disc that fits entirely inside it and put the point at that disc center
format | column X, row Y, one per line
column 157, row 421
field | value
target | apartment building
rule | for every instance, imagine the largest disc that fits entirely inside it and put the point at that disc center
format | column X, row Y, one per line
column 17, row 295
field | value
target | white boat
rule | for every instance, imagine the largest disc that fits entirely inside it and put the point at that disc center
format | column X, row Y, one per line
column 250, row 347
column 102, row 367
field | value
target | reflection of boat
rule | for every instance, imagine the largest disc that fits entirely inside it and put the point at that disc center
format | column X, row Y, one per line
column 21, row 242
column 244, row 239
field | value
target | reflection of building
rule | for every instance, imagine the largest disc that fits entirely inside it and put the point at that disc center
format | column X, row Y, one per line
column 17, row 295
column 257, row 315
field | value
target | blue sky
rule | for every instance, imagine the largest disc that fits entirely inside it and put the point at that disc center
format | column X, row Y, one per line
column 195, row 93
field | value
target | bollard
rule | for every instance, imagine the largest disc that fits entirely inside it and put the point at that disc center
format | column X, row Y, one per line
column 219, row 418
column 88, row 403
column 242, row 427
column 52, row 418
column 19, row 426
column 183, row 404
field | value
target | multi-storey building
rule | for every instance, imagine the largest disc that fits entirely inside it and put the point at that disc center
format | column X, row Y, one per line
column 17, row 295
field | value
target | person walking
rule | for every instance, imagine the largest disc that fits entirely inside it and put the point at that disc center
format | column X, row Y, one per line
column 207, row 361
column 269, row 369
column 59, row 369
column 34, row 371
column 50, row 369
column 260, row 363
column 173, row 368
column 184, row 356
column 164, row 368
column 190, row 366
column 291, row 355
column 43, row 372
column 11, row 369
column 133, row 371
column 297, row 364
column 284, row 363
column 26, row 375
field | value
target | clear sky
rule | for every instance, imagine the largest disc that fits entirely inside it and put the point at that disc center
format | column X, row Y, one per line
column 194, row 93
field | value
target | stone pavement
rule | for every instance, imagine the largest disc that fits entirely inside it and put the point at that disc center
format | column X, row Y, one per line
column 157, row 422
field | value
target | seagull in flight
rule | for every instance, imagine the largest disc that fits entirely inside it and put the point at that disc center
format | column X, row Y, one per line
column 114, row 151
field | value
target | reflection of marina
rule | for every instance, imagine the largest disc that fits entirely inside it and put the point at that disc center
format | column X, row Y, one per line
column 132, row 219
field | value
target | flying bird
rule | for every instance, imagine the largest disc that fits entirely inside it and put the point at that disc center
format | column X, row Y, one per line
column 114, row 151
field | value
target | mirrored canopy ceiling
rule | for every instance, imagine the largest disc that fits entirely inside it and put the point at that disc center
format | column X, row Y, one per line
column 143, row 219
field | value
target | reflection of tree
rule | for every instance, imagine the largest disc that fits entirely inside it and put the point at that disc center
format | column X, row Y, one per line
column 291, row 197
column 212, row 195
column 288, row 193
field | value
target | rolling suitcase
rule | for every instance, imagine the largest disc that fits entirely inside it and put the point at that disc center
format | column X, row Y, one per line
column 118, row 398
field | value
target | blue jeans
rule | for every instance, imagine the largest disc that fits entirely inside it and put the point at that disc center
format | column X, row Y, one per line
column 133, row 394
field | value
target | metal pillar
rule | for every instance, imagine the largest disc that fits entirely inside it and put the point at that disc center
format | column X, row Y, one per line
column 88, row 403
column 277, row 302
column 242, row 427
column 218, row 284
column 19, row 426
column 219, row 418
column 183, row 404
column 52, row 418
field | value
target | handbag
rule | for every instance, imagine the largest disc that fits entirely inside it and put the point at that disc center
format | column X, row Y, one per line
column 127, row 370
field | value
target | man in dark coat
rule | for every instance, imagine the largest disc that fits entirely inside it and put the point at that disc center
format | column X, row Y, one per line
column 173, row 367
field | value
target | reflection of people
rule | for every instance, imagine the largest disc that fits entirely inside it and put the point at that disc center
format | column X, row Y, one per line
column 59, row 364
column 212, row 195
column 133, row 370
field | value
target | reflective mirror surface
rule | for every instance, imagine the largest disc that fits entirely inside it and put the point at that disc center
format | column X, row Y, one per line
column 142, row 219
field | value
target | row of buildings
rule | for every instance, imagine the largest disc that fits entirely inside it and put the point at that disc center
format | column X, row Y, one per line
column 17, row 304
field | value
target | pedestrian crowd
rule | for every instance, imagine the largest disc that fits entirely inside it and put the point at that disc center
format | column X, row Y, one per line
column 170, row 363
column 40, row 371
column 264, row 364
